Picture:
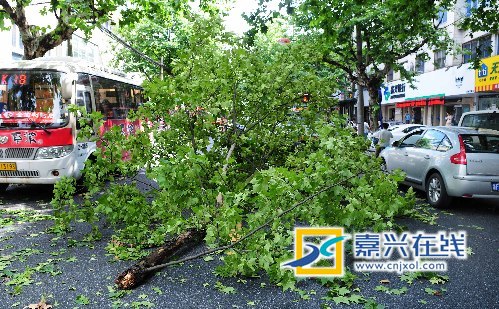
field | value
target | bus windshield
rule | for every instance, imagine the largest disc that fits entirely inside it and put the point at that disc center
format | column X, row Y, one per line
column 31, row 99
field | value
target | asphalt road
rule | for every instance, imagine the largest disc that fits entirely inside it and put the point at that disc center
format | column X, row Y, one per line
column 70, row 273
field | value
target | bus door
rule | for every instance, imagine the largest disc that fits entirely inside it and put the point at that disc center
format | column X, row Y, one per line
column 84, row 97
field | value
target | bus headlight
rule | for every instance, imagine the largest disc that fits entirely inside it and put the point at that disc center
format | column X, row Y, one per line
column 53, row 152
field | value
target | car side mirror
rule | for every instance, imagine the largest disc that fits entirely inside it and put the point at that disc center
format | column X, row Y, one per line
column 395, row 144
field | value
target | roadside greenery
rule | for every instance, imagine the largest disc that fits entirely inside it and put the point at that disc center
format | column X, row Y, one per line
column 230, row 144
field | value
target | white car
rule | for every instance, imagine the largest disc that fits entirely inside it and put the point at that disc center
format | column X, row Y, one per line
column 398, row 131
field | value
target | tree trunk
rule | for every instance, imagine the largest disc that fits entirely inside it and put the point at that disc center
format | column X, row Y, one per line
column 374, row 107
column 360, row 93
column 139, row 272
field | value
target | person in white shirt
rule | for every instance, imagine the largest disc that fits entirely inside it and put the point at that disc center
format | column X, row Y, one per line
column 384, row 137
column 366, row 129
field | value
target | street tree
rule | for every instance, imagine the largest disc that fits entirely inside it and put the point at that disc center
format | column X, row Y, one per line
column 160, row 39
column 368, row 39
column 238, row 158
column 60, row 19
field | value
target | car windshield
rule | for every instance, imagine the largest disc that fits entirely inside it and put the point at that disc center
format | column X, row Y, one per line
column 31, row 99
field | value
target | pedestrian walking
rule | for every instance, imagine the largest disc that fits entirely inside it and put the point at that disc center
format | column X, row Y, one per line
column 384, row 137
column 448, row 119
column 407, row 117
column 367, row 128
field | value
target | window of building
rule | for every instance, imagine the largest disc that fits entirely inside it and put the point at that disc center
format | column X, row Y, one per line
column 439, row 59
column 16, row 56
column 389, row 76
column 480, row 48
column 83, row 49
column 442, row 16
column 470, row 5
column 17, row 42
column 419, row 64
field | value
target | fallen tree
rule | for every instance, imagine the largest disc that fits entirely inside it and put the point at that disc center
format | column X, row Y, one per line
column 240, row 147
column 158, row 259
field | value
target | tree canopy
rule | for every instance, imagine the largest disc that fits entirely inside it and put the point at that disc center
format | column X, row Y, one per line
column 63, row 18
column 367, row 39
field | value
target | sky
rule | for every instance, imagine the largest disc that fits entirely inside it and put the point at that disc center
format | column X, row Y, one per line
column 235, row 23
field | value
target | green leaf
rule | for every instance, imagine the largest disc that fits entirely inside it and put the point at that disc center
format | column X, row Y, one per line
column 341, row 300
column 82, row 300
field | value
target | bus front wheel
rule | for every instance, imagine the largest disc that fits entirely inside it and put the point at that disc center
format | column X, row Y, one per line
column 3, row 187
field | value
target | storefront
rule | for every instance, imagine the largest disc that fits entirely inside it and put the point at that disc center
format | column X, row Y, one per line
column 487, row 84
column 432, row 95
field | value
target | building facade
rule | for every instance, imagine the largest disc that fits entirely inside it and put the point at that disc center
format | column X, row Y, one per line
column 446, row 83
column 95, row 49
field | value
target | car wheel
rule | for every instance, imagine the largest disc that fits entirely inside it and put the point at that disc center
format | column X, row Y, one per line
column 436, row 194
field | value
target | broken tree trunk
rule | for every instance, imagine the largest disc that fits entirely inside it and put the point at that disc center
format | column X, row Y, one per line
column 139, row 272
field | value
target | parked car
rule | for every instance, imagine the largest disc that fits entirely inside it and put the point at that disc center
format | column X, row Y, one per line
column 448, row 162
column 485, row 119
column 401, row 130
column 398, row 131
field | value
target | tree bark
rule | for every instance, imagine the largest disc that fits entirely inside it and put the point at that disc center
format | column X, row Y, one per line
column 360, row 94
column 374, row 107
column 139, row 272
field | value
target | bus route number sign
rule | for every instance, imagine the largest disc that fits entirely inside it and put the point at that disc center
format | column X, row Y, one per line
column 15, row 79
column 8, row 166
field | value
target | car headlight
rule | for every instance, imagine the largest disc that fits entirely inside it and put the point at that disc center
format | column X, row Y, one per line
column 53, row 152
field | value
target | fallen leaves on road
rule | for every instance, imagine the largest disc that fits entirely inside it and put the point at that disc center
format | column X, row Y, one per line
column 41, row 305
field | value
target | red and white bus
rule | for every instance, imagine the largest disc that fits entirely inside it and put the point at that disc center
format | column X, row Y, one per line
column 38, row 136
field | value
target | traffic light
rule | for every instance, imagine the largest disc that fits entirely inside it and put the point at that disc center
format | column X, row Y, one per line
column 305, row 98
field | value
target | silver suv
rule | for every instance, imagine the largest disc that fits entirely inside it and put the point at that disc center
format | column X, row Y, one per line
column 448, row 162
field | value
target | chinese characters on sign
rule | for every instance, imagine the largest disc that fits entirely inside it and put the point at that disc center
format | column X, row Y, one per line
column 386, row 251
column 418, row 245
column 29, row 137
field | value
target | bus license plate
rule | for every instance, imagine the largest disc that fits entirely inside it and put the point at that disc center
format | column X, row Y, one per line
column 8, row 166
column 495, row 186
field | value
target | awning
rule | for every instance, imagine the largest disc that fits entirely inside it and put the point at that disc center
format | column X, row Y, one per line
column 436, row 101
column 402, row 105
column 421, row 102
column 412, row 103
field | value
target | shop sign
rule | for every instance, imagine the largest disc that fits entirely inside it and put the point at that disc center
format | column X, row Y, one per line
column 487, row 76
column 451, row 81
column 393, row 92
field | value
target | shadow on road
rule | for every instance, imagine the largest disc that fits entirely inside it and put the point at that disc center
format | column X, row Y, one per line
column 31, row 194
